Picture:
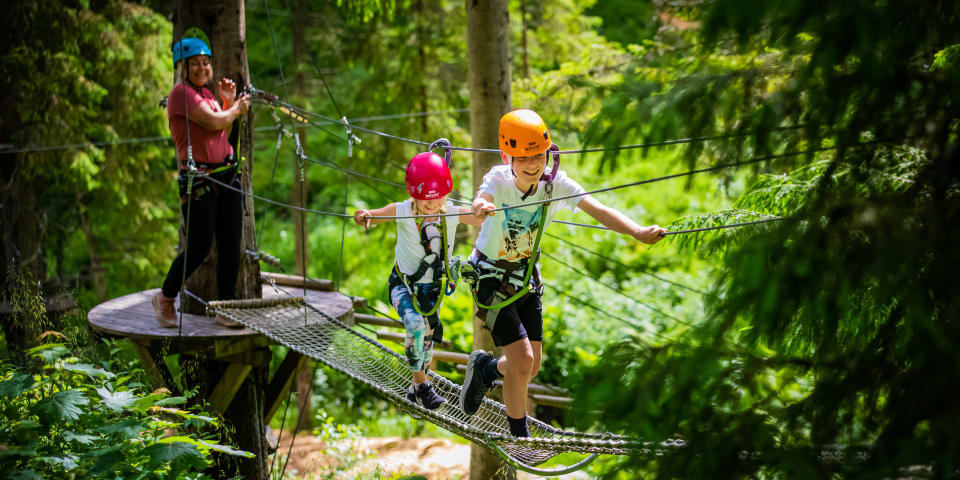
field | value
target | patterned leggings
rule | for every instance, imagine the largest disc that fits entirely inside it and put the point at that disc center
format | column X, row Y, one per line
column 420, row 332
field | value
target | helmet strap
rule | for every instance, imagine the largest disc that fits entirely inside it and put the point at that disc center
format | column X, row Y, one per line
column 529, row 191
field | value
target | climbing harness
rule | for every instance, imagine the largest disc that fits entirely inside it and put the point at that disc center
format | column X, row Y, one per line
column 438, row 263
column 474, row 272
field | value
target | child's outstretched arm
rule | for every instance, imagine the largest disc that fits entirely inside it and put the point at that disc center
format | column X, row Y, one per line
column 618, row 222
column 362, row 216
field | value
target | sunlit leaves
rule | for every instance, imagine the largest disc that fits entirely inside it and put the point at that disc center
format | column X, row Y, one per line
column 61, row 406
column 116, row 401
column 16, row 385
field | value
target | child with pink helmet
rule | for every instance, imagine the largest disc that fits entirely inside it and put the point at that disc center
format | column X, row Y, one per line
column 423, row 248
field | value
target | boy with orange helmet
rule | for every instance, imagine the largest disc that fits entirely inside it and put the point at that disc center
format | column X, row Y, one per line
column 507, row 285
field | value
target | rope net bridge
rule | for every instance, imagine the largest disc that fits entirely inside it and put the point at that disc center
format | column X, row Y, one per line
column 293, row 323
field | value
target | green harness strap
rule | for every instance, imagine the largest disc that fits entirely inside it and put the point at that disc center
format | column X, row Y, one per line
column 526, row 279
column 445, row 271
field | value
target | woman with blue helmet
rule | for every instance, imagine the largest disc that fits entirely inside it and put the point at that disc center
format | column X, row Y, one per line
column 200, row 127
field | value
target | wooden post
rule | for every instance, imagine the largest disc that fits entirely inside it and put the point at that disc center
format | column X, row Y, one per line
column 489, row 81
column 298, row 196
column 225, row 26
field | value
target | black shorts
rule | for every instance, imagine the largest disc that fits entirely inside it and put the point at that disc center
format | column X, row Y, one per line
column 521, row 319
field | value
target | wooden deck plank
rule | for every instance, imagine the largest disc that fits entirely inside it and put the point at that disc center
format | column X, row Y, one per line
column 296, row 281
column 132, row 316
column 401, row 339
column 375, row 320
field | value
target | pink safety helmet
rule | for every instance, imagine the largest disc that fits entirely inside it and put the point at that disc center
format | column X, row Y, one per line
column 428, row 176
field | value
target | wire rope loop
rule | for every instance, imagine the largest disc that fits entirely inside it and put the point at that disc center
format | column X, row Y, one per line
column 351, row 138
column 445, row 145
column 539, row 471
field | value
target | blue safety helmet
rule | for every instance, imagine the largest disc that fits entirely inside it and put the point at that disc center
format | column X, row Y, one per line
column 189, row 47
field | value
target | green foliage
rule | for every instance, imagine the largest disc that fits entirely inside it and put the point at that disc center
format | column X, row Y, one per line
column 75, row 419
column 79, row 74
column 832, row 326
column 824, row 328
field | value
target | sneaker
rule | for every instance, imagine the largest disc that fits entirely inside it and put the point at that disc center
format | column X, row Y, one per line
column 473, row 390
column 164, row 311
column 425, row 395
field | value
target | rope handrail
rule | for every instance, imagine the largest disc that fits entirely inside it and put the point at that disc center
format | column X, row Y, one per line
column 714, row 168
column 614, row 289
column 612, row 260
column 692, row 230
column 662, row 143
column 539, row 202
column 153, row 139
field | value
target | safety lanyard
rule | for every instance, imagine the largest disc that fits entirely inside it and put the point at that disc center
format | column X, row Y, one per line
column 444, row 271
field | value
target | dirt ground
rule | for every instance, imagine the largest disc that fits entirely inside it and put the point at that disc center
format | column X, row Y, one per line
column 433, row 458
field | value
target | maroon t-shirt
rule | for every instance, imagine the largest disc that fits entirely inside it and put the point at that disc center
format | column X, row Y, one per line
column 209, row 146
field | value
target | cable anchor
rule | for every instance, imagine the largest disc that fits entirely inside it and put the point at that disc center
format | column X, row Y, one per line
column 351, row 138
column 301, row 157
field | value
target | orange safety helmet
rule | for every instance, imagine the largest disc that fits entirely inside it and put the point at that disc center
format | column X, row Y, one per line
column 523, row 133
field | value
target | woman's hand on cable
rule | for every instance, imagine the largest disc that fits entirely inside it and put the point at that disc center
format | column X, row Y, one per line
column 243, row 104
column 650, row 235
column 482, row 208
column 362, row 218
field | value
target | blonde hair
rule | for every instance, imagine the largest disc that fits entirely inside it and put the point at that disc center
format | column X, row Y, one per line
column 415, row 205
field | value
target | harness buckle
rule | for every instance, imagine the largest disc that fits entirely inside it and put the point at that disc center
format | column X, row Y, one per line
column 454, row 269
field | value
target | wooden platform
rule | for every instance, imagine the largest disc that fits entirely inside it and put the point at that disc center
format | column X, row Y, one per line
column 131, row 316
column 238, row 351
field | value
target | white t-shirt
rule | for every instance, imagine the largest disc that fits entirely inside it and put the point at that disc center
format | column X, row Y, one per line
column 409, row 251
column 510, row 234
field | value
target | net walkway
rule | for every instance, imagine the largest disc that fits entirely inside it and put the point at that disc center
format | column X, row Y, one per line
column 303, row 328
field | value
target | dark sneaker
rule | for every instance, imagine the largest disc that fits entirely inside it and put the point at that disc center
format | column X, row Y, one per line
column 471, row 394
column 425, row 395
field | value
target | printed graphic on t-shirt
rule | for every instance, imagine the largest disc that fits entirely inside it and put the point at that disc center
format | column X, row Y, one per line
column 519, row 233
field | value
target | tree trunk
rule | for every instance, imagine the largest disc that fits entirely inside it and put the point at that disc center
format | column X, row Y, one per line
column 422, row 39
column 22, row 233
column 523, row 38
column 298, row 196
column 22, row 226
column 96, row 267
column 225, row 26
column 489, row 82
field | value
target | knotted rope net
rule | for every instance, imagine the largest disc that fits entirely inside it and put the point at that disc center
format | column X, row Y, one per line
column 301, row 327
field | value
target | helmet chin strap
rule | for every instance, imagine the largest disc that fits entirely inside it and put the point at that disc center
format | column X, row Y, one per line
column 529, row 191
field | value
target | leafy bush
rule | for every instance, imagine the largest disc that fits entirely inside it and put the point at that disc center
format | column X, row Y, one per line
column 83, row 421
